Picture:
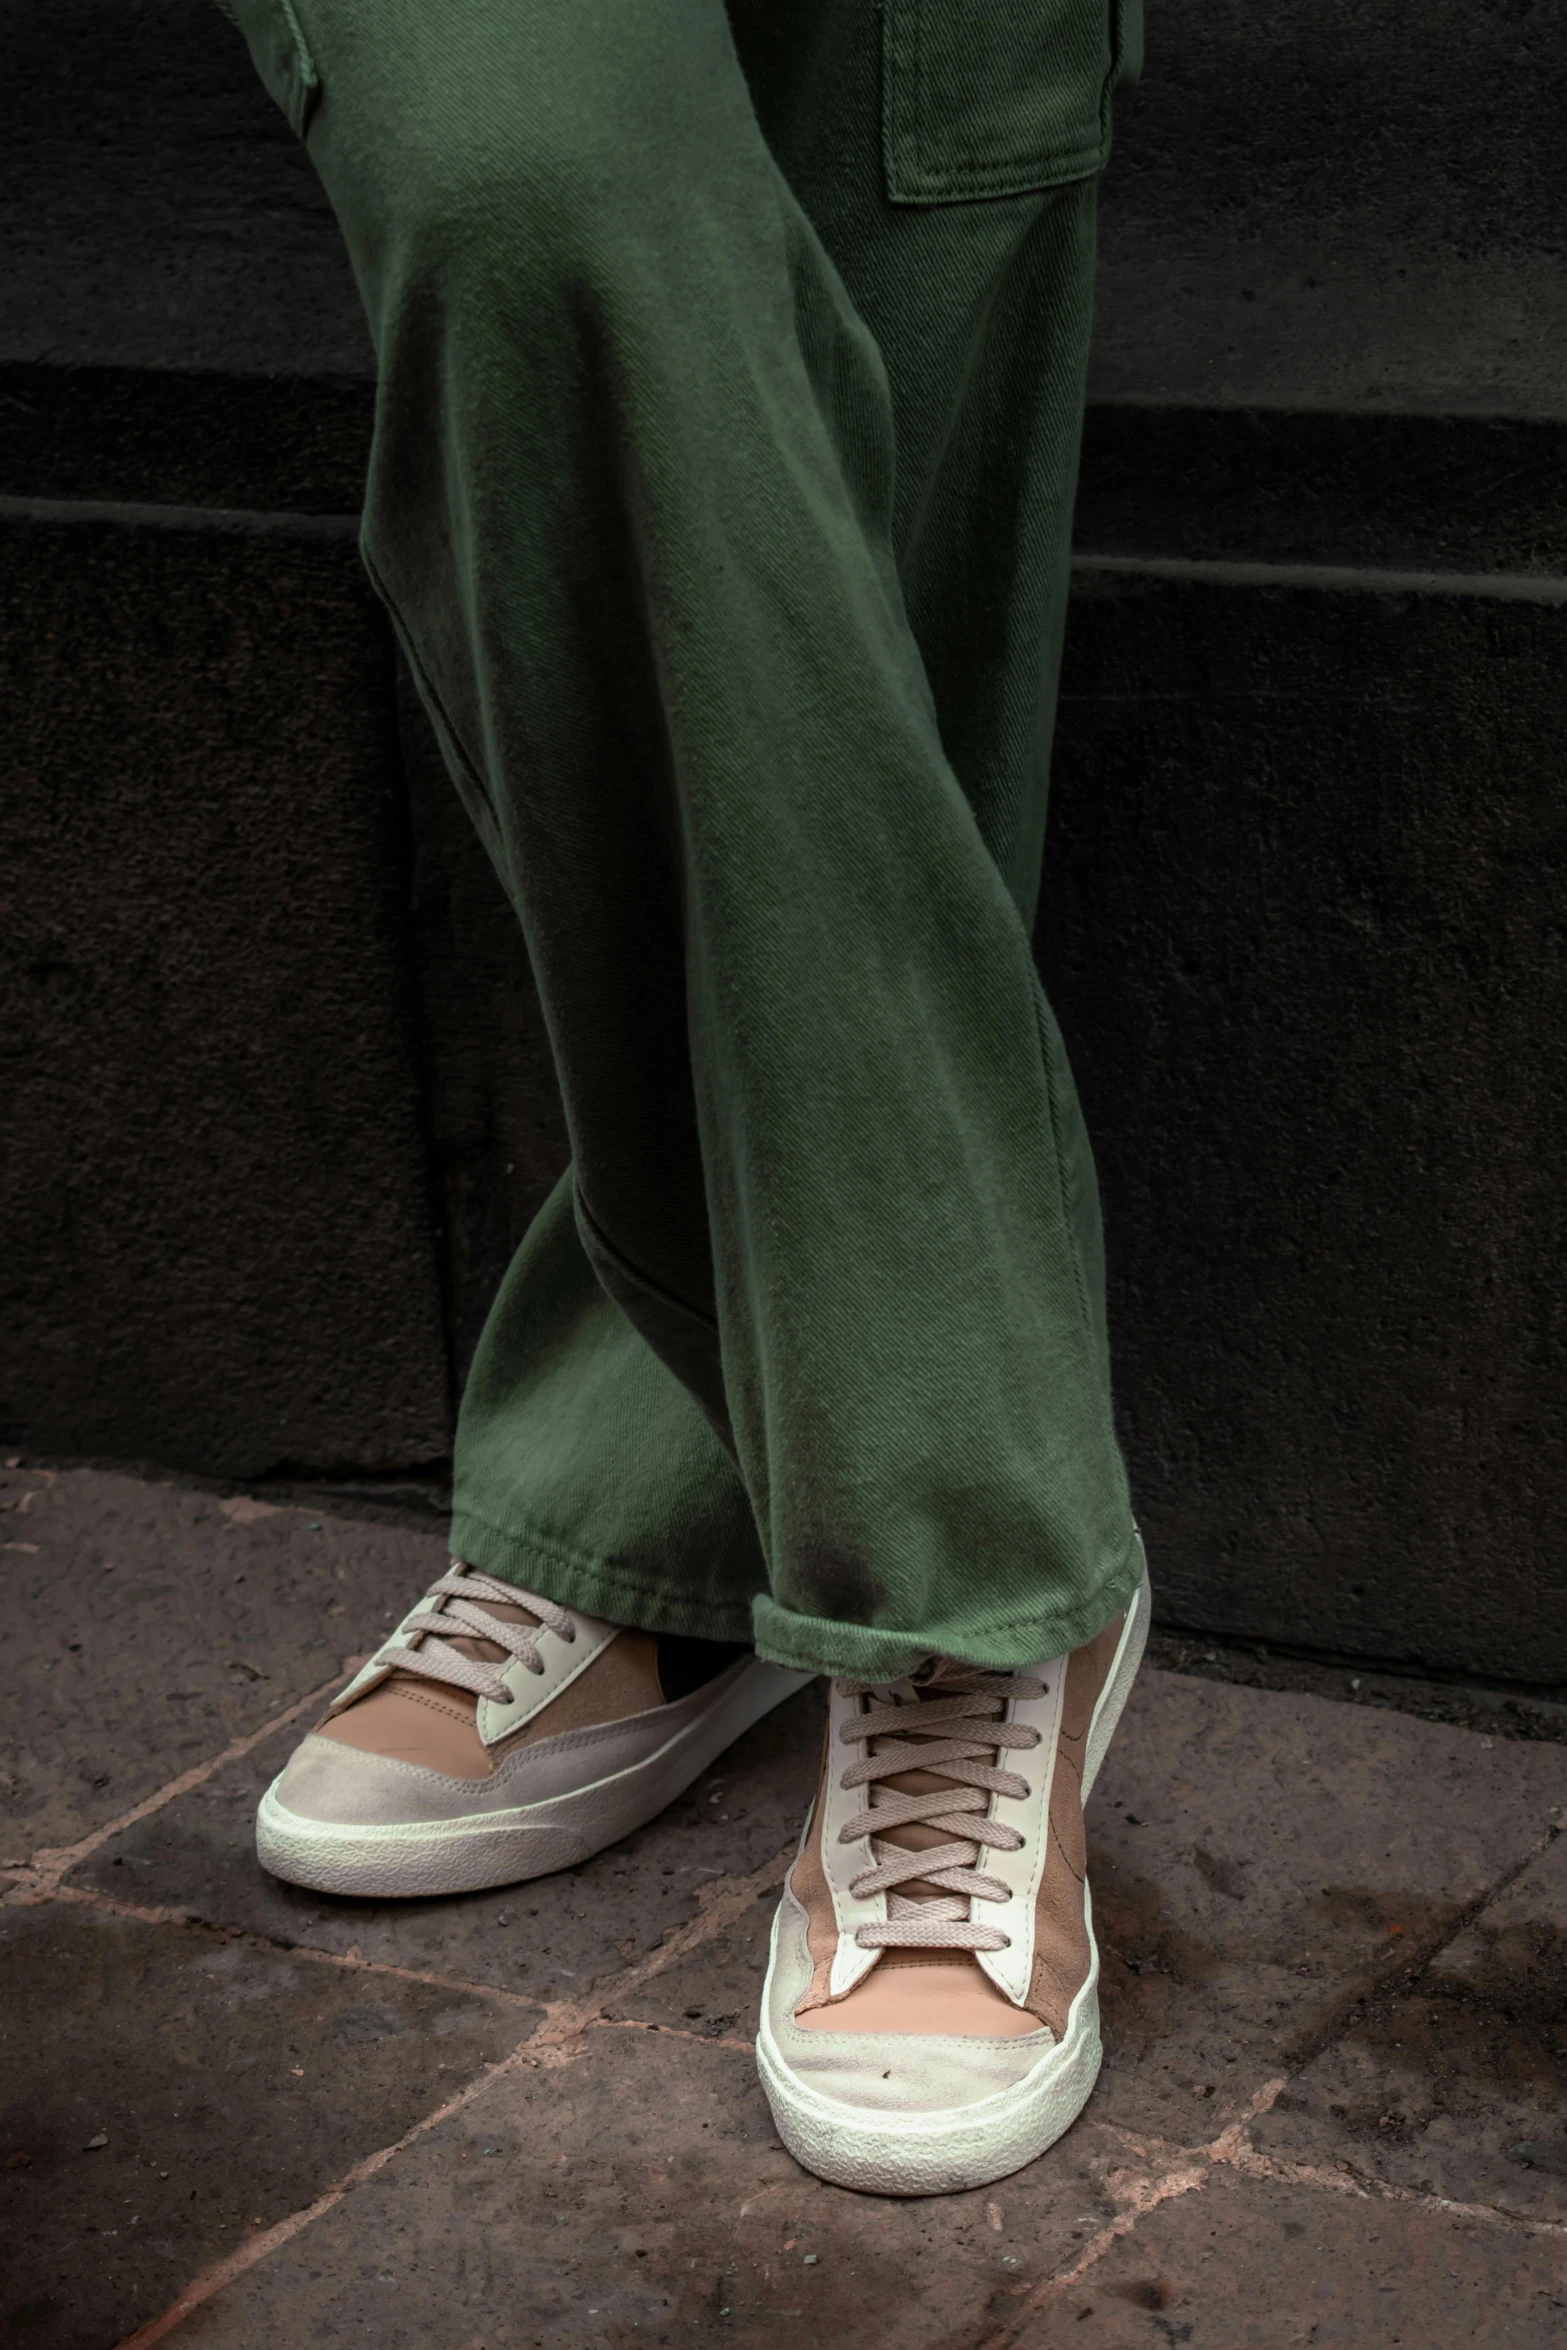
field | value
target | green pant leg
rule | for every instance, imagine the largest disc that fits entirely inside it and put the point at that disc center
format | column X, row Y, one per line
column 631, row 506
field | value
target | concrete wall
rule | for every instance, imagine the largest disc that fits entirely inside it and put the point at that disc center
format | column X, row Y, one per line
column 1324, row 203
column 213, row 1184
column 1319, row 203
column 278, row 1104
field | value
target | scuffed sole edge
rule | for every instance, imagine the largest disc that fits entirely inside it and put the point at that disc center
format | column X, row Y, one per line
column 416, row 1859
column 936, row 2153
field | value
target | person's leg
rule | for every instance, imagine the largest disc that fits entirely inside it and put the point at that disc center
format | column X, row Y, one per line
column 930, row 2018
column 897, row 1207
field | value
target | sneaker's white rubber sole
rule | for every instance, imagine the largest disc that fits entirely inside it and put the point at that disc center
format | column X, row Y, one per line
column 941, row 2153
column 408, row 1859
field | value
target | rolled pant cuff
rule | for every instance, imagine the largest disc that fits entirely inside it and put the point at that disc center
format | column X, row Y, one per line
column 862, row 1652
column 608, row 1588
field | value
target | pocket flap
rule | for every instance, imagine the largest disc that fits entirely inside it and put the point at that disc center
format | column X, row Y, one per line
column 998, row 97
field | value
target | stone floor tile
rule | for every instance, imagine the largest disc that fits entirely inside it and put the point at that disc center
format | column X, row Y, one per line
column 1444, row 2095
column 554, row 1937
column 1514, row 1954
column 163, row 2090
column 637, row 2194
column 715, row 1991
column 148, row 1626
column 1460, row 2087
column 1249, row 2264
column 1260, row 1857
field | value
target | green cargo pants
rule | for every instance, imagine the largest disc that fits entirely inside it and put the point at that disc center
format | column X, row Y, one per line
column 731, row 371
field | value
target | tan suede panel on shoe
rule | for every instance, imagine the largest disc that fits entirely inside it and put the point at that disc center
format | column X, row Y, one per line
column 428, row 1723
column 1061, row 1952
column 413, row 1721
column 923, row 1991
column 435, row 1726
column 621, row 1681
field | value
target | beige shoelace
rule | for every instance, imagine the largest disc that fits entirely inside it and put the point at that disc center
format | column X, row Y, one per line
column 955, row 1736
column 451, row 1614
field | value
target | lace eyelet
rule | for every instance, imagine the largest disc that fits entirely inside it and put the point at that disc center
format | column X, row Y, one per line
column 538, row 1668
column 571, row 1637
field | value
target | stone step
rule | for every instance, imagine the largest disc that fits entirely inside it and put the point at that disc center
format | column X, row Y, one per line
column 1403, row 491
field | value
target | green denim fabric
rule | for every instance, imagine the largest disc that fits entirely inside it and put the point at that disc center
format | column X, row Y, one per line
column 731, row 371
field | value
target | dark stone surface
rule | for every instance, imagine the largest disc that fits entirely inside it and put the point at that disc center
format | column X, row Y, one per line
column 158, row 210
column 660, row 2210
column 1494, row 1710
column 1326, row 204
column 232, row 2085
column 1301, row 923
column 1404, row 492
column 1458, row 2086
column 149, row 1627
column 218, row 1248
column 1450, row 2097
column 282, row 444
column 1514, row 1955
column 638, row 2195
column 1243, row 2262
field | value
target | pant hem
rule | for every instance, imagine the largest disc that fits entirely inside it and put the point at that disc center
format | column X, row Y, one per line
column 598, row 1586
column 808, row 1644
column 863, row 1652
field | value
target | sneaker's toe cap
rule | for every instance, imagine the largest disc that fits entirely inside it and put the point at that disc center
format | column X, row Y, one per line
column 910, row 2072
column 348, row 1787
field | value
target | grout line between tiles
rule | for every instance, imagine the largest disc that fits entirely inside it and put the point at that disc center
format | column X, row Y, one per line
column 629, row 2023
column 86, row 1897
column 1410, row 1967
column 1345, row 2181
column 40, row 1879
column 255, row 2248
column 1178, row 2171
column 553, row 2042
column 1139, row 2197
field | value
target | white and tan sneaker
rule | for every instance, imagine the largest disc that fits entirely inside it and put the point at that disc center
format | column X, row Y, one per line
column 497, row 1736
column 930, row 2019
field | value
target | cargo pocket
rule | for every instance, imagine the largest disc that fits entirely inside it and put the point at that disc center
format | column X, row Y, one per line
column 281, row 53
column 998, row 97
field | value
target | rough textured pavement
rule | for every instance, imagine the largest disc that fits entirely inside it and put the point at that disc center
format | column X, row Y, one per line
column 1335, row 1992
